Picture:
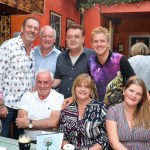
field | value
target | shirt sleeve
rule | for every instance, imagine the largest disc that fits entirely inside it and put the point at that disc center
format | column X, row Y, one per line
column 57, row 74
column 4, row 61
column 126, row 68
column 58, row 103
column 102, row 138
column 24, row 104
column 111, row 114
column 62, row 124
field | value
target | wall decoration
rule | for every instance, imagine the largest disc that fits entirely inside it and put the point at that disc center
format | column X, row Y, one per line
column 139, row 38
column 55, row 22
column 68, row 21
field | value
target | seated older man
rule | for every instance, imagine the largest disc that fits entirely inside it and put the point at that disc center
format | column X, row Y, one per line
column 40, row 110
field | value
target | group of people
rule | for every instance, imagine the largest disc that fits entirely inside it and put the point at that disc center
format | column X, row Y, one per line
column 106, row 104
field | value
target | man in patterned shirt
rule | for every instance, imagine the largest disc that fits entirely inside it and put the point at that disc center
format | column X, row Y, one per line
column 16, row 72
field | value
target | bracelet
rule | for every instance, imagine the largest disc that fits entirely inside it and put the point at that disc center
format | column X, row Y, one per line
column 1, row 106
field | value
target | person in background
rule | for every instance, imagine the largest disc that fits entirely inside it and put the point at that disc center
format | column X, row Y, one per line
column 83, row 121
column 69, row 63
column 46, row 53
column 40, row 110
column 16, row 72
column 128, row 123
column 108, row 69
column 140, row 62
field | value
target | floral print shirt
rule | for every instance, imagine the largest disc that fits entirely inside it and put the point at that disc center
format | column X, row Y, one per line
column 16, row 71
column 87, row 131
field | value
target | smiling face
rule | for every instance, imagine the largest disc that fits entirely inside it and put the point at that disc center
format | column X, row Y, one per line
column 100, row 44
column 83, row 91
column 30, row 30
column 74, row 39
column 43, row 84
column 47, row 38
column 133, row 95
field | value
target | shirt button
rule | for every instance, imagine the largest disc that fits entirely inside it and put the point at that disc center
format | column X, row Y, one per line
column 70, row 78
column 68, row 89
column 72, row 68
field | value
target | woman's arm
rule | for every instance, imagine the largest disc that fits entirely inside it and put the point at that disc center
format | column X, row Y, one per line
column 112, row 133
column 96, row 147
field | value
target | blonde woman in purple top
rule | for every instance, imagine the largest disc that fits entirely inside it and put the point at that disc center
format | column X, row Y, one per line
column 128, row 123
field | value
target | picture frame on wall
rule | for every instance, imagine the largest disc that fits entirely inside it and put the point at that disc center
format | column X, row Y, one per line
column 139, row 38
column 69, row 21
column 55, row 22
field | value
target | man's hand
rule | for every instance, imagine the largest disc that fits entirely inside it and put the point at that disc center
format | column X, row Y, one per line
column 67, row 102
column 22, row 122
column 3, row 111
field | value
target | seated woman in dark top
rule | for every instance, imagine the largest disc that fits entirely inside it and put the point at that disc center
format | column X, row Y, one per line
column 128, row 123
column 83, row 121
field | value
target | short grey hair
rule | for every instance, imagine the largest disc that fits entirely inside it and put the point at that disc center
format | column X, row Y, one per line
column 47, row 27
column 44, row 70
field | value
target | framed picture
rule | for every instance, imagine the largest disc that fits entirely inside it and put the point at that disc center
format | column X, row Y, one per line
column 55, row 22
column 68, row 21
column 139, row 38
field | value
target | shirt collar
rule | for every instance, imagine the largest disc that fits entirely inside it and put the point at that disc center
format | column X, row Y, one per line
column 108, row 58
column 36, row 96
column 54, row 50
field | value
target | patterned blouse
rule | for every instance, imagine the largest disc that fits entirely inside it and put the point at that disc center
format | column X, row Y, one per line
column 16, row 71
column 132, row 139
column 88, row 130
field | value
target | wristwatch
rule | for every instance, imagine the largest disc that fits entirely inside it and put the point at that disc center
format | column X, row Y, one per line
column 30, row 124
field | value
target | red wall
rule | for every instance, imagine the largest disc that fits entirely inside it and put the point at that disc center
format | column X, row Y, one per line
column 92, row 19
column 67, row 9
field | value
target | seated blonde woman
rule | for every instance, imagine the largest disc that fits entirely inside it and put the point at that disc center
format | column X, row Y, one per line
column 83, row 121
column 128, row 123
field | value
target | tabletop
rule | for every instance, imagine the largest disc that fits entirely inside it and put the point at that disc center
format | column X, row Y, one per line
column 11, row 144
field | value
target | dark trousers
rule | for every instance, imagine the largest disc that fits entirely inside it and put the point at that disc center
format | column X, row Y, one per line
column 6, row 122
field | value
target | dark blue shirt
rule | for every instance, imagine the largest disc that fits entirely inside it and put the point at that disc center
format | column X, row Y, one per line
column 68, row 72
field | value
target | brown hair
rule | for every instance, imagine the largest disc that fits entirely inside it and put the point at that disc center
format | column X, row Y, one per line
column 76, row 26
column 25, row 21
column 100, row 30
column 90, row 83
column 139, row 49
column 141, row 114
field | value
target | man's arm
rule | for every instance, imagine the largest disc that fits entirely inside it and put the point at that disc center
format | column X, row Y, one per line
column 56, row 83
column 22, row 121
column 126, row 69
column 67, row 102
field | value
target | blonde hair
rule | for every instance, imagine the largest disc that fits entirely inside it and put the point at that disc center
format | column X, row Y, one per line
column 100, row 30
column 90, row 83
column 139, row 49
column 141, row 115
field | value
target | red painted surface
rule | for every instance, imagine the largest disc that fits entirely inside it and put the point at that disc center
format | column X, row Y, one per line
column 66, row 8
column 95, row 17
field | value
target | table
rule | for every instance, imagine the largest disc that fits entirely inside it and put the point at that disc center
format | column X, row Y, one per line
column 12, row 144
